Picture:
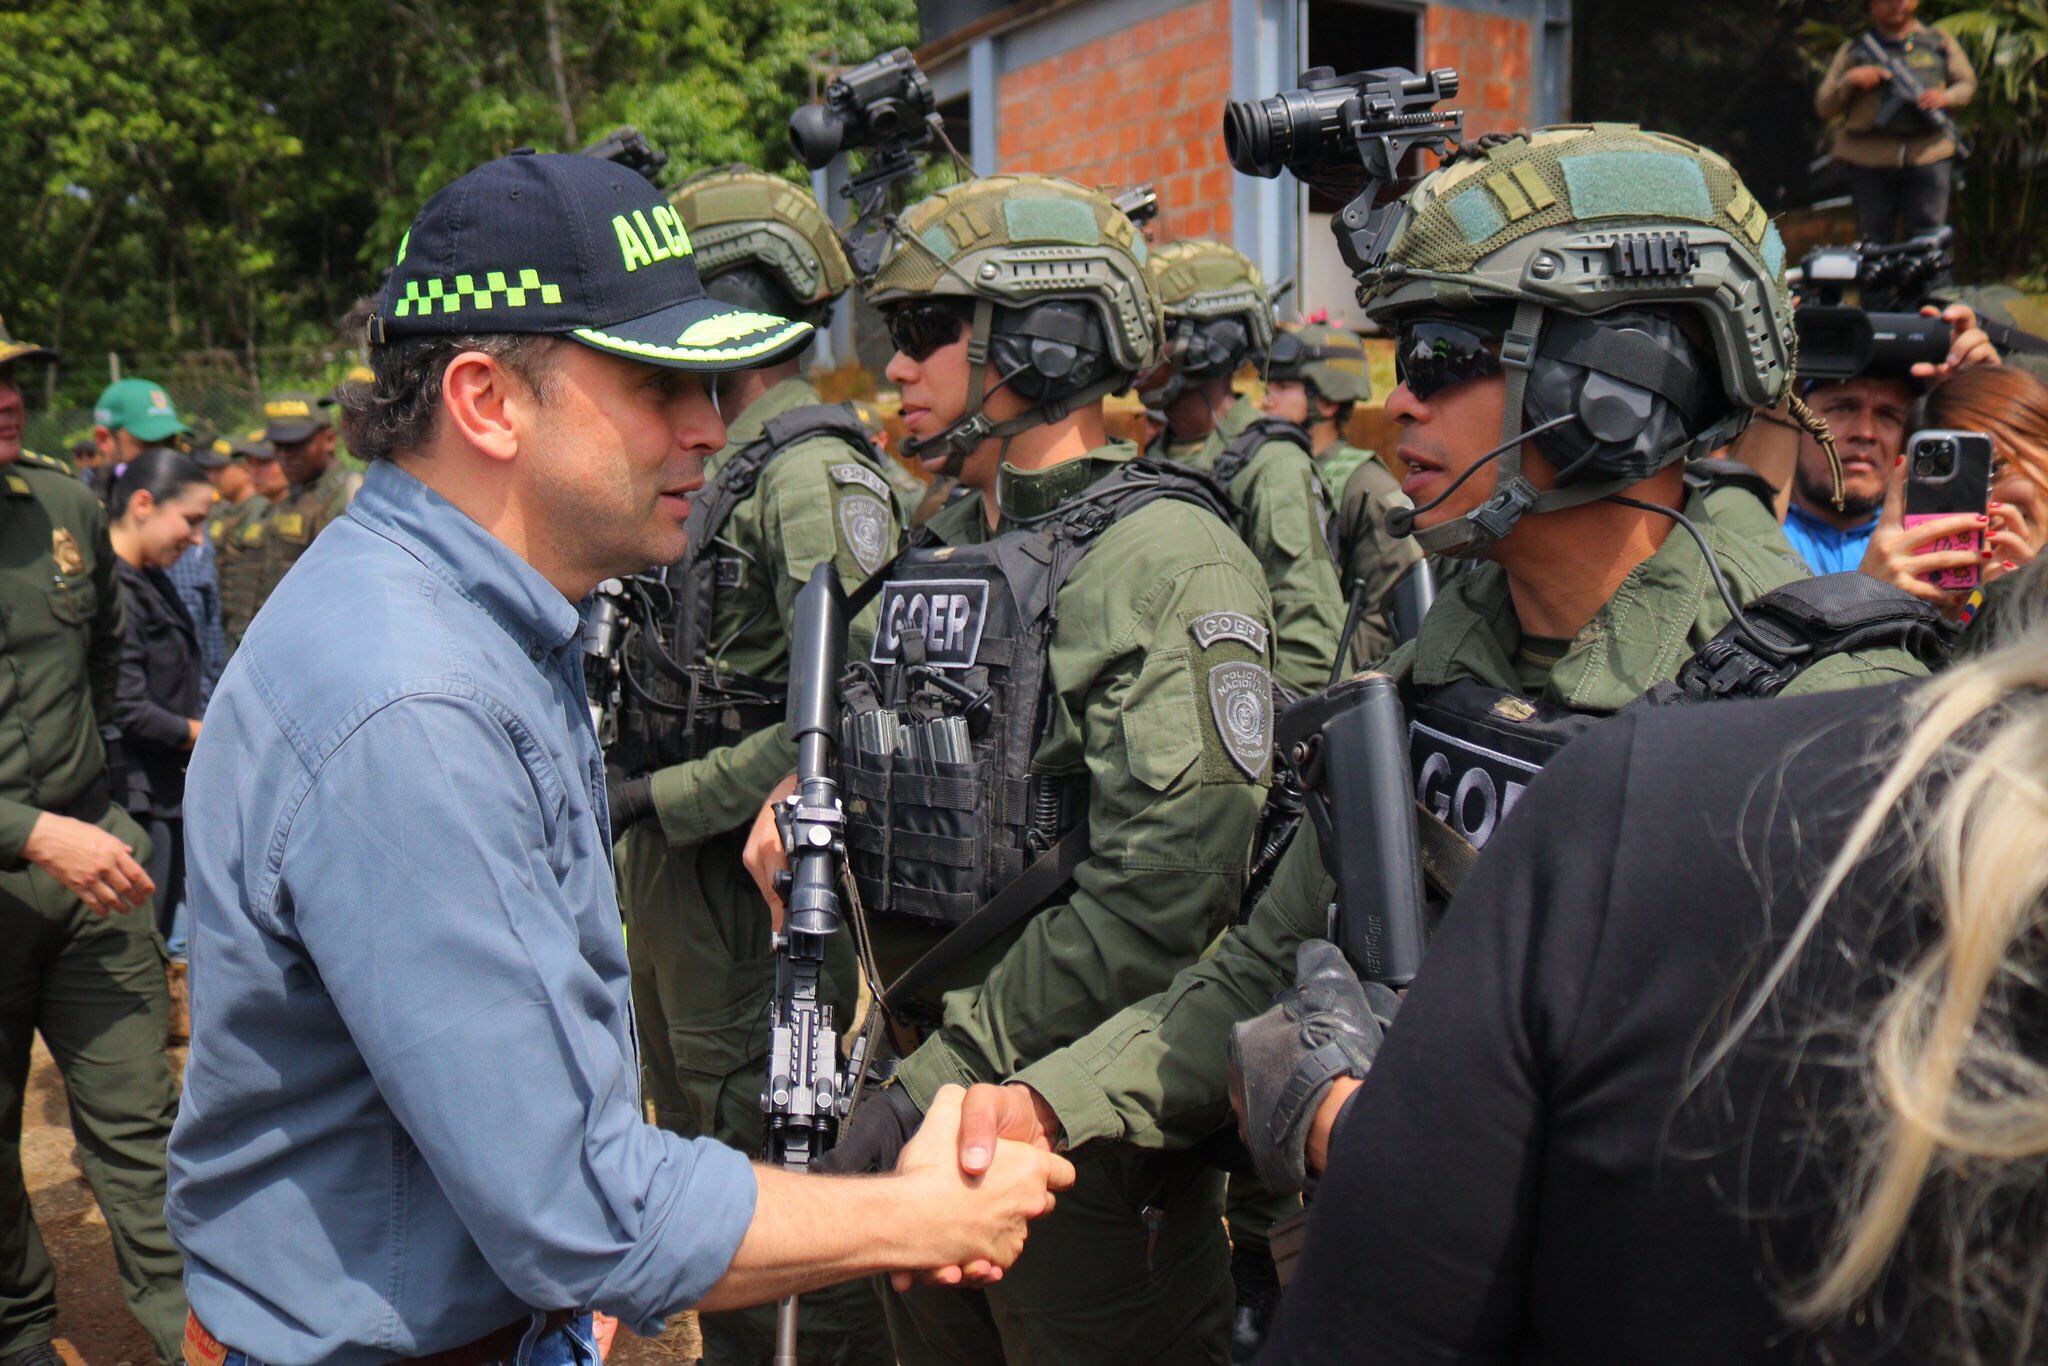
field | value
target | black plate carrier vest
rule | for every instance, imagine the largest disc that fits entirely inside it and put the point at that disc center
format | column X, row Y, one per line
column 677, row 705
column 940, row 723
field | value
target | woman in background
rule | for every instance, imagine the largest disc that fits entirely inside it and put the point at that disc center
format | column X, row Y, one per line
column 160, row 503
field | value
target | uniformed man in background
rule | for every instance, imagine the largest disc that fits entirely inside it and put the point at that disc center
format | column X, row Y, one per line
column 83, row 964
column 318, row 489
column 797, row 485
column 236, row 528
column 1217, row 319
column 1316, row 375
column 1057, row 749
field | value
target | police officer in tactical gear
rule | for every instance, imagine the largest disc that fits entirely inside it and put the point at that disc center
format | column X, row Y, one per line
column 318, row 490
column 1054, row 753
column 1315, row 375
column 1579, row 311
column 701, row 741
column 1217, row 318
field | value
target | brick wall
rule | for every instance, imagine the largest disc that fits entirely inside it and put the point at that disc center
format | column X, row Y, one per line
column 1142, row 104
column 1493, row 56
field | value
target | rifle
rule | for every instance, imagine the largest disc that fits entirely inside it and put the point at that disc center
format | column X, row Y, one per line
column 1903, row 94
column 807, row 1093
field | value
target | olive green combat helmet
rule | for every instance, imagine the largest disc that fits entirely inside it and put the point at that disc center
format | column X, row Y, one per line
column 762, row 242
column 1635, row 287
column 1217, row 313
column 1054, row 276
column 1330, row 360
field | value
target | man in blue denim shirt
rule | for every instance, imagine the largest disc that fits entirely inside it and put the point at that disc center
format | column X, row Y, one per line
column 412, row 1121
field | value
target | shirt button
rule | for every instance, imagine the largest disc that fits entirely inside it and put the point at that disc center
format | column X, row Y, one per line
column 535, row 654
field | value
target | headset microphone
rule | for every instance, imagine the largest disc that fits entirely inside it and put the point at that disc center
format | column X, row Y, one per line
column 1401, row 521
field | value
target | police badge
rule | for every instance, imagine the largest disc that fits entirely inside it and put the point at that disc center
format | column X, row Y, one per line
column 1241, row 699
column 864, row 524
column 64, row 550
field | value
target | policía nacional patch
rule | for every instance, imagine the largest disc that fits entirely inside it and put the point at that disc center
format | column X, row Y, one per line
column 64, row 550
column 1211, row 627
column 864, row 523
column 852, row 473
column 1241, row 699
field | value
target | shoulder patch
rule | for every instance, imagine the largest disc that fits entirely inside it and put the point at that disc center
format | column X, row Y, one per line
column 1211, row 627
column 18, row 486
column 64, row 550
column 864, row 524
column 1241, row 700
column 851, row 472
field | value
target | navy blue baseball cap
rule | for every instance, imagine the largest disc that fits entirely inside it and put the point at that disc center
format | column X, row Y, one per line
column 576, row 247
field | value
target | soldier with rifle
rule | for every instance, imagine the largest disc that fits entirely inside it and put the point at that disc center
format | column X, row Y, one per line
column 1579, row 312
column 1892, row 91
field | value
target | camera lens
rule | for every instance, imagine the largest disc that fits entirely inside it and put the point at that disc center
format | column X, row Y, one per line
column 1248, row 129
column 1925, row 465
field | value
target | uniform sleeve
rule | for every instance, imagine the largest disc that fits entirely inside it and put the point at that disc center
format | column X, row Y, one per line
column 809, row 515
column 466, row 952
column 137, row 714
column 1171, row 817
column 1962, row 77
column 1831, row 100
column 1372, row 557
column 1282, row 524
column 109, row 625
column 1156, row 1074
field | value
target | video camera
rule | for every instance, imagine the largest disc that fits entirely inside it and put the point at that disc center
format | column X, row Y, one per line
column 884, row 107
column 1349, row 136
column 628, row 147
column 1878, row 335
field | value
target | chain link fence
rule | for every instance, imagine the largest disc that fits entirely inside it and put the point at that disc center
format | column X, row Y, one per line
column 215, row 391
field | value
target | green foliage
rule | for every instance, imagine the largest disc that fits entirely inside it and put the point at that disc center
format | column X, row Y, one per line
column 230, row 175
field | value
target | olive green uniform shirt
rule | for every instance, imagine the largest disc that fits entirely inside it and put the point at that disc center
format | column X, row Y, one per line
column 60, row 644
column 1936, row 59
column 289, row 525
column 800, row 515
column 1155, row 1075
column 1371, row 555
column 235, row 529
column 1170, row 812
column 1282, row 514
column 1336, row 462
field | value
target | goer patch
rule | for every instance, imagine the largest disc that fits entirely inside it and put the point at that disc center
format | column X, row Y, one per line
column 947, row 613
column 851, row 473
column 1211, row 627
column 1241, row 698
column 1470, row 786
column 864, row 525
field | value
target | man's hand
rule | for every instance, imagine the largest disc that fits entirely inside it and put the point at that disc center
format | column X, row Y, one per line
column 1012, row 1111
column 1324, row 1126
column 1326, row 1026
column 1867, row 77
column 1937, row 98
column 764, row 854
column 980, row 1220
column 191, row 732
column 94, row 865
column 1968, row 343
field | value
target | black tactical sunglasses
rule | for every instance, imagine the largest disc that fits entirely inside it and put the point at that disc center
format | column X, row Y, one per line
column 1432, row 354
column 918, row 329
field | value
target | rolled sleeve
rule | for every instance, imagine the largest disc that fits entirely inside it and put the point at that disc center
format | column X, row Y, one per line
column 466, row 981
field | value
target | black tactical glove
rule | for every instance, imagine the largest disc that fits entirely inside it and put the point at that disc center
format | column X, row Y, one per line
column 874, row 1138
column 630, row 801
column 1327, row 1025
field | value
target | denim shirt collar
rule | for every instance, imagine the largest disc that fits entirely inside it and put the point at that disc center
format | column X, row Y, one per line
column 475, row 563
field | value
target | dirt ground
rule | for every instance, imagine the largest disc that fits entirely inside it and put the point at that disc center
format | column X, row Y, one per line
column 93, row 1326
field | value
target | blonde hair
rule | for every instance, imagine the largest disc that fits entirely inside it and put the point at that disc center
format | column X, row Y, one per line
column 1948, row 1093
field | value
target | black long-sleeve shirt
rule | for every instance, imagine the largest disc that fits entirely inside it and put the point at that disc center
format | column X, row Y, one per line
column 158, row 696
column 1526, row 1175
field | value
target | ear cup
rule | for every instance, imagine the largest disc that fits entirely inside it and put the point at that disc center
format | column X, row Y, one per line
column 1630, row 381
column 1048, row 350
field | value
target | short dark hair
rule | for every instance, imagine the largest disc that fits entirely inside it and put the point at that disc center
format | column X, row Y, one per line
column 393, row 414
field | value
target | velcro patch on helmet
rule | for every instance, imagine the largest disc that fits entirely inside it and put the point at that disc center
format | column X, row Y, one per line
column 1636, row 184
column 1051, row 220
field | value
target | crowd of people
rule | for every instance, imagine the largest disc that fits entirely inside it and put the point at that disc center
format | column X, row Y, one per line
column 446, row 804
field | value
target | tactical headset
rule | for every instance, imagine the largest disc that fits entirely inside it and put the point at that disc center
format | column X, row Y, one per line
column 1609, row 401
column 1201, row 349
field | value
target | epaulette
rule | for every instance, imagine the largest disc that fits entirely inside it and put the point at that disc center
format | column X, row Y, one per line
column 46, row 462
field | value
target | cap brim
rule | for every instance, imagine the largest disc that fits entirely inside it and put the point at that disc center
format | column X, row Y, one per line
column 10, row 352
column 157, row 428
column 702, row 335
column 291, row 433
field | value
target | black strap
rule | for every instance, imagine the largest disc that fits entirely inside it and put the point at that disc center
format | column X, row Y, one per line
column 1012, row 906
column 1714, row 472
column 1627, row 356
column 1792, row 627
column 1239, row 450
